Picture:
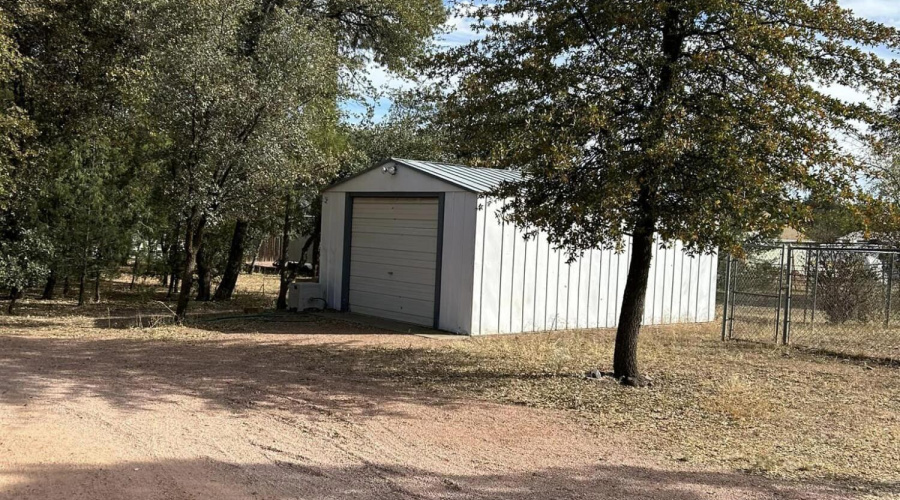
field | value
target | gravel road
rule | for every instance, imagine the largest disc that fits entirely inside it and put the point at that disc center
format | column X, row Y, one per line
column 254, row 416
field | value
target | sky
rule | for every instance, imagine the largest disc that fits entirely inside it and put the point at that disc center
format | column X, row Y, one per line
column 458, row 32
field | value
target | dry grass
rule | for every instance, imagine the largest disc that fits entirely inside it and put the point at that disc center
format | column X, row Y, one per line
column 767, row 410
column 853, row 338
column 143, row 306
column 757, row 408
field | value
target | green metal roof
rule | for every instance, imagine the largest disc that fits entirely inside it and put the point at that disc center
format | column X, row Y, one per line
column 478, row 180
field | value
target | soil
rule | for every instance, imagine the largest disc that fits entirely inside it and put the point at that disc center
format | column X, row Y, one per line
column 88, row 412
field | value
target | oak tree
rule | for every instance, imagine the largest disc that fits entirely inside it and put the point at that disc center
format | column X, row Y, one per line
column 698, row 120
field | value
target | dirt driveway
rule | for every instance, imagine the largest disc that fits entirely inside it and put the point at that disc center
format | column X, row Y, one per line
column 118, row 415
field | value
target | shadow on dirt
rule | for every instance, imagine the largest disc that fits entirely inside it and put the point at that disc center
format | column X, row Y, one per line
column 331, row 371
column 293, row 478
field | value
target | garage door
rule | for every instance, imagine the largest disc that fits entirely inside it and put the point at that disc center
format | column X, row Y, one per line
column 393, row 258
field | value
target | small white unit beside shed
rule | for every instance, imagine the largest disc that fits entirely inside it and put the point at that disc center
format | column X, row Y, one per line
column 420, row 242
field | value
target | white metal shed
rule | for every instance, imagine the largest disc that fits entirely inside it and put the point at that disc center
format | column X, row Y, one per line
column 420, row 242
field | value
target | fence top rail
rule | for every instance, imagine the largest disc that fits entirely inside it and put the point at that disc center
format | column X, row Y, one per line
column 827, row 247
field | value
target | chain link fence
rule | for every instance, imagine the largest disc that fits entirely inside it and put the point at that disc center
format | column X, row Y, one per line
column 833, row 298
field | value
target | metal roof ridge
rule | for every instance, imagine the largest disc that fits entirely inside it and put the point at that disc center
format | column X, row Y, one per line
column 478, row 180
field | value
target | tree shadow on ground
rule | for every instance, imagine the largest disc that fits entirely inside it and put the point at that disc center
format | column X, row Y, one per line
column 281, row 478
column 133, row 373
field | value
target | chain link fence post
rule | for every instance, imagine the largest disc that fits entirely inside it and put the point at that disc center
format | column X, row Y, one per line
column 812, row 313
column 732, row 289
column 786, row 330
column 727, row 292
column 780, row 290
column 890, row 287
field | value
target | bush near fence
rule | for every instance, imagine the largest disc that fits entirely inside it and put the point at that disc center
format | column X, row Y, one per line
column 834, row 298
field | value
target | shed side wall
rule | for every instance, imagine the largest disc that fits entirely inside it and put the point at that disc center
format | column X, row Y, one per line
column 525, row 285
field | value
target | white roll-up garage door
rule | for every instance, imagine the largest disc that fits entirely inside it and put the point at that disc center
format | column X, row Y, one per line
column 393, row 258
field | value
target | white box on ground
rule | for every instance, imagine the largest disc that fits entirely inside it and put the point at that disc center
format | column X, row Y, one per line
column 302, row 296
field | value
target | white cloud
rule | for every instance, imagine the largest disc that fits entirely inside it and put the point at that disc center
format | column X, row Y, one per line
column 885, row 11
column 382, row 78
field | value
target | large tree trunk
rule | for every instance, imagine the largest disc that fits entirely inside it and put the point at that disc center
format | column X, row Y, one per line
column 286, row 273
column 235, row 260
column 313, row 243
column 66, row 286
column 625, row 364
column 97, row 287
column 204, row 275
column 193, row 238
column 81, row 287
column 13, row 296
column 50, row 287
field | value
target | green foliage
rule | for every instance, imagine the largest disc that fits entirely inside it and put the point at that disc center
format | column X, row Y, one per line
column 830, row 220
column 125, row 126
column 23, row 259
column 98, row 202
column 15, row 126
column 408, row 131
column 232, row 119
column 702, row 120
column 80, row 191
column 245, row 92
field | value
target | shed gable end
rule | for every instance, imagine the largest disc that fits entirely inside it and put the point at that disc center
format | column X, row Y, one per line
column 404, row 179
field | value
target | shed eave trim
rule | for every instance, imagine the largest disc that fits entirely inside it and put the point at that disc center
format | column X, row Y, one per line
column 407, row 165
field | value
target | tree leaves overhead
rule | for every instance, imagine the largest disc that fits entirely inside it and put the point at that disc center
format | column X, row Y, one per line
column 14, row 123
column 715, row 108
column 233, row 119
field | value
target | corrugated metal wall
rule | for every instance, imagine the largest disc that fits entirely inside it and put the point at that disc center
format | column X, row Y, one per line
column 457, row 277
column 525, row 285
column 332, row 249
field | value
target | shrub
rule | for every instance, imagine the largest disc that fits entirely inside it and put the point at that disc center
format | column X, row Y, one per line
column 849, row 287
